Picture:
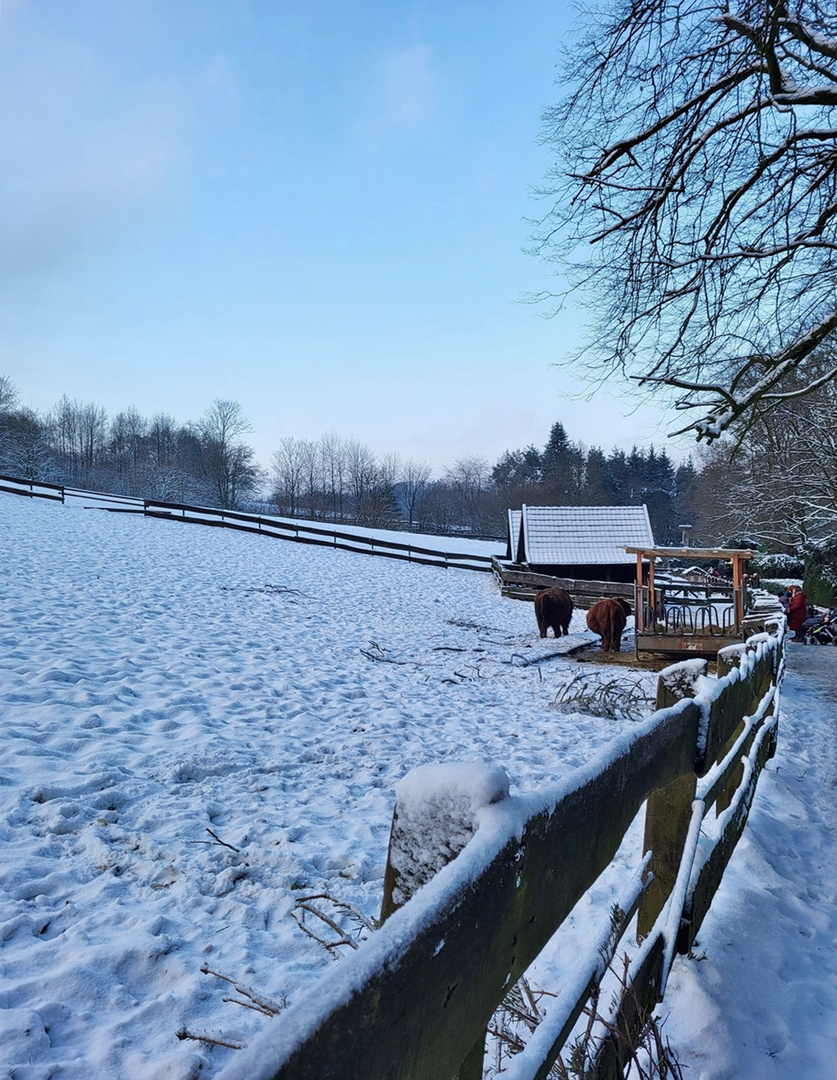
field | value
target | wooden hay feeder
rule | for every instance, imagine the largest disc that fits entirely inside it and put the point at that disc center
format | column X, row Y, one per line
column 682, row 617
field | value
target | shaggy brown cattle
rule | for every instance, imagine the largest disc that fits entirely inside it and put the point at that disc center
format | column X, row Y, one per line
column 553, row 607
column 607, row 618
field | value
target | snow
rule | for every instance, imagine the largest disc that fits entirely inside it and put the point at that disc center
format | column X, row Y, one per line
column 759, row 997
column 438, row 811
column 202, row 727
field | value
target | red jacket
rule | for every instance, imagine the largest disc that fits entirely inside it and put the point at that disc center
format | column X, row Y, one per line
column 797, row 611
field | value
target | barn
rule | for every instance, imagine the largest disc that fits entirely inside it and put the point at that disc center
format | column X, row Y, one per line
column 579, row 542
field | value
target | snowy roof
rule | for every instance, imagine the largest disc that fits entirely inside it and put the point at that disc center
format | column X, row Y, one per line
column 581, row 535
column 514, row 533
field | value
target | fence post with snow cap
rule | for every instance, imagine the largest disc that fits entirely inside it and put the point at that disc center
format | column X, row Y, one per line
column 436, row 814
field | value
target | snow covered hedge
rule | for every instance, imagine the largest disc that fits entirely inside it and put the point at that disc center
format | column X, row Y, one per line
column 776, row 566
column 821, row 573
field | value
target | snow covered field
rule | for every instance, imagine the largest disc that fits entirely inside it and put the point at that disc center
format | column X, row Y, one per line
column 202, row 726
column 163, row 680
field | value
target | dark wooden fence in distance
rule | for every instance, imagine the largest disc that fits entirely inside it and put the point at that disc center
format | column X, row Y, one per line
column 33, row 488
column 321, row 535
column 297, row 531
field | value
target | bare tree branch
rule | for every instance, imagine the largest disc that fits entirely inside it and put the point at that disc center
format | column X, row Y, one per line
column 693, row 203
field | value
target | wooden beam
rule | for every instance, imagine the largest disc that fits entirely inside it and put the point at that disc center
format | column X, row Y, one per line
column 693, row 554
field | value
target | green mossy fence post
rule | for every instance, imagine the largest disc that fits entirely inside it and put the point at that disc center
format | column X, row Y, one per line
column 669, row 809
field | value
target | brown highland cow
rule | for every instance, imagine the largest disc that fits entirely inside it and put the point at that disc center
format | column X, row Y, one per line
column 553, row 607
column 608, row 618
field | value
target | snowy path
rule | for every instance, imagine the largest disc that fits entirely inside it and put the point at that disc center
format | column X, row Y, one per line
column 762, row 1004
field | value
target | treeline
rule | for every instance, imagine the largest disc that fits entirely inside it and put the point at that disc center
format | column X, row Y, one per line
column 568, row 474
column 76, row 444
column 331, row 478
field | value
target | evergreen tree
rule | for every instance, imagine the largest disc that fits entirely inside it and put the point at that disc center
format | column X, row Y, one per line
column 563, row 469
column 598, row 482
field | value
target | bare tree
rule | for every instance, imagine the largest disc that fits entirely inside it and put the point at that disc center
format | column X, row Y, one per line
column 228, row 462
column 162, row 439
column 77, row 435
column 412, row 485
column 470, row 479
column 127, row 446
column 289, row 466
column 8, row 394
column 24, row 446
column 332, row 450
column 694, row 203
column 779, row 487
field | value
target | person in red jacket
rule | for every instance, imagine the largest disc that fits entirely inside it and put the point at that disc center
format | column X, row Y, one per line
column 797, row 612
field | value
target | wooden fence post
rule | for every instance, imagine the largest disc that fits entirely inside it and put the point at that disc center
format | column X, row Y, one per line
column 669, row 809
column 436, row 808
column 436, row 811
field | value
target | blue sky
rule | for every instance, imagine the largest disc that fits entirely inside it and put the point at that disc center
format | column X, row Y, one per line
column 318, row 210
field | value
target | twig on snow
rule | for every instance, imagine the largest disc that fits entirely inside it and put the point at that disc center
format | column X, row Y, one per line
column 223, row 843
column 260, row 1002
column 214, row 1040
column 305, row 905
column 216, row 839
column 379, row 654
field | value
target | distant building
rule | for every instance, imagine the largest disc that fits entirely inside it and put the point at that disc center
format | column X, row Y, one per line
column 586, row 542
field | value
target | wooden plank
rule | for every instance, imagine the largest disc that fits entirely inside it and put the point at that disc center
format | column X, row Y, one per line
column 711, row 872
column 424, row 1005
column 669, row 811
column 30, row 483
column 738, row 699
column 31, row 494
column 539, row 1064
column 692, row 554
column 667, row 820
column 471, row 1067
column 532, row 580
column 674, row 645
column 580, row 600
column 637, row 1003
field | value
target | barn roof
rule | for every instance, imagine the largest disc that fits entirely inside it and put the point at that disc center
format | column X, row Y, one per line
column 581, row 535
column 514, row 534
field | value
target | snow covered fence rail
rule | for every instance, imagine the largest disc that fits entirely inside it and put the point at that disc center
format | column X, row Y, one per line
column 297, row 531
column 32, row 488
column 314, row 534
column 478, row 881
column 105, row 500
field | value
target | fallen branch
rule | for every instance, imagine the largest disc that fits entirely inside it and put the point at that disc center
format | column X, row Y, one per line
column 261, row 1002
column 223, row 843
column 616, row 698
column 305, row 905
column 379, row 654
column 204, row 1036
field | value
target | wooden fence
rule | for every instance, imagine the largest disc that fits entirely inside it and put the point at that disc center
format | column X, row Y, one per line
column 414, row 1001
column 297, row 531
column 33, row 488
column 316, row 534
column 524, row 584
